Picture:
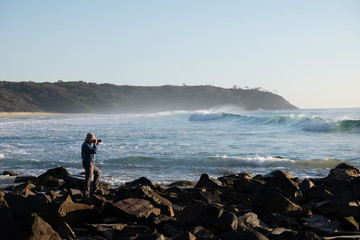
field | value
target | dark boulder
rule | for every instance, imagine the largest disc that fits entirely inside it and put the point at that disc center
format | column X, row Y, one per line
column 250, row 220
column 208, row 215
column 184, row 183
column 188, row 196
column 349, row 224
column 22, row 206
column 134, row 209
column 24, row 179
column 283, row 180
column 272, row 201
column 206, row 181
column 242, row 235
column 147, row 193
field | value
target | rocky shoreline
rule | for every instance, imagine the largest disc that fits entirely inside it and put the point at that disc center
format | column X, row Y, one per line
column 275, row 206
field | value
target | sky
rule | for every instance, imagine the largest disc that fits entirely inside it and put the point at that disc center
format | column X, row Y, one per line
column 307, row 51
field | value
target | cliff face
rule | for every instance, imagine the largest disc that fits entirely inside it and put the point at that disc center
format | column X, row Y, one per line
column 81, row 97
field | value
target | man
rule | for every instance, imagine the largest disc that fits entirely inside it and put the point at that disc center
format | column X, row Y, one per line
column 88, row 152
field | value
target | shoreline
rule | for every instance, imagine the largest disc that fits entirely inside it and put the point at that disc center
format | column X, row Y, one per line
column 36, row 114
column 274, row 206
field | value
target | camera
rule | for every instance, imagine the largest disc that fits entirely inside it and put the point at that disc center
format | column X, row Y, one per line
column 99, row 140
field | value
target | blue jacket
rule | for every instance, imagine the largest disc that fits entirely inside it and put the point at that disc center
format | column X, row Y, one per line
column 88, row 152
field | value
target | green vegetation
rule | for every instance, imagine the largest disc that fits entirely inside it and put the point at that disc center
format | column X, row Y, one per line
column 81, row 97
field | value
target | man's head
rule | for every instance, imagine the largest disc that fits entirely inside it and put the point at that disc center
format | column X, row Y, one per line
column 90, row 137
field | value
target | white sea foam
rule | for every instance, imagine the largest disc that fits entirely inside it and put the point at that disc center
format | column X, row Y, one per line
column 2, row 155
column 259, row 161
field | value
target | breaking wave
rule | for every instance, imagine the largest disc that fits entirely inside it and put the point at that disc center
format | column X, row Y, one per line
column 311, row 124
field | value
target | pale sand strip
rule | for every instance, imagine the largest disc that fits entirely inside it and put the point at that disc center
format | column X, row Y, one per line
column 34, row 114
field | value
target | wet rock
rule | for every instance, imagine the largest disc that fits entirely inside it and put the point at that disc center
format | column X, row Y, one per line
column 185, row 183
column 49, row 181
column 24, row 179
column 59, row 172
column 135, row 209
column 207, row 182
column 141, row 182
column 10, row 173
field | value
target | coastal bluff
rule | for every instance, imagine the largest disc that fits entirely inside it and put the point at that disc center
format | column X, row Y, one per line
column 82, row 97
column 275, row 206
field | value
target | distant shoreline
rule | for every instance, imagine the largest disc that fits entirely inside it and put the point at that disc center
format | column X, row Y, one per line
column 35, row 114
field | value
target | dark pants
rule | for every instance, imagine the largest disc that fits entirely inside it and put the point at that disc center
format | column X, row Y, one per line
column 90, row 171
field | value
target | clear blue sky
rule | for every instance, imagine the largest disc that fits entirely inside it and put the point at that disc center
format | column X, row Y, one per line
column 308, row 51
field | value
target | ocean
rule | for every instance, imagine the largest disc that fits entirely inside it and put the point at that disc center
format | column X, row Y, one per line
column 170, row 146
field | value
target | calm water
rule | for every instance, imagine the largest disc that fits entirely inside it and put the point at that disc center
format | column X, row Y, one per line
column 182, row 145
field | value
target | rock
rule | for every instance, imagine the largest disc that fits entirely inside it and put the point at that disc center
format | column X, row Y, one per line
column 75, row 214
column 157, row 236
column 197, row 194
column 185, row 236
column 207, row 182
column 75, row 193
column 73, row 182
column 305, row 185
column 143, row 181
column 202, row 233
column 342, row 172
column 247, row 234
column 282, row 180
column 185, row 183
column 39, row 229
column 59, row 172
column 208, row 215
column 24, row 188
column 274, row 220
column 246, row 185
column 135, row 209
column 24, row 206
column 319, row 193
column 10, row 173
column 281, row 233
column 349, row 224
column 49, row 181
column 346, row 208
column 325, row 207
column 274, row 202
column 24, row 179
column 320, row 224
column 250, row 220
column 65, row 231
column 147, row 193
